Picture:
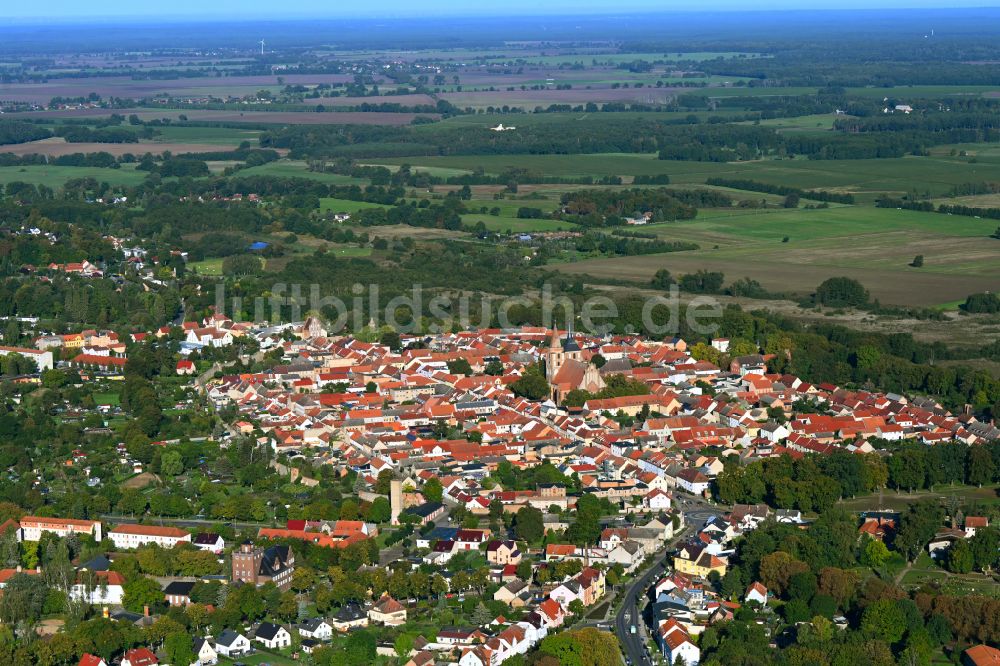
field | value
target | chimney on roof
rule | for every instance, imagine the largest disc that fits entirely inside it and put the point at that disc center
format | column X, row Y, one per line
column 145, row 611
column 105, row 613
column 18, row 568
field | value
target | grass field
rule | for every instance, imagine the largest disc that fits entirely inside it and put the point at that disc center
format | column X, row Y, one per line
column 873, row 245
column 925, row 570
column 494, row 223
column 56, row 176
column 223, row 136
column 935, row 174
column 327, row 204
column 897, row 501
column 207, row 267
column 260, row 659
column 298, row 169
column 107, row 399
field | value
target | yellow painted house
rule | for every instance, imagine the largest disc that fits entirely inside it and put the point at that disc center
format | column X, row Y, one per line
column 692, row 559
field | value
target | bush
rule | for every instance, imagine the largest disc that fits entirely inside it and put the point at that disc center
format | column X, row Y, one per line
column 841, row 292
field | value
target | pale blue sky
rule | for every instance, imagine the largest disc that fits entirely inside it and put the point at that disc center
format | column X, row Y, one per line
column 286, row 9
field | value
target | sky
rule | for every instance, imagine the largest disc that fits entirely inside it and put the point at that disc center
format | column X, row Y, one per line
column 75, row 10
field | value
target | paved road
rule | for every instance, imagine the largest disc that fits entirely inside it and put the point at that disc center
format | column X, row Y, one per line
column 629, row 614
column 696, row 511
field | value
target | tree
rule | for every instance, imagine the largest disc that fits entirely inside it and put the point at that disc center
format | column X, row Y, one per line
column 582, row 647
column 840, row 584
column 532, row 384
column 171, row 463
column 884, row 619
column 459, row 366
column 433, row 490
column 985, row 546
column 841, row 292
column 528, row 525
column 918, row 261
column 242, row 265
column 403, row 645
column 791, row 201
column 382, row 484
column 875, row 554
column 380, row 510
column 960, row 558
column 777, row 569
column 139, row 592
column 179, row 649
column 980, row 466
column 662, row 279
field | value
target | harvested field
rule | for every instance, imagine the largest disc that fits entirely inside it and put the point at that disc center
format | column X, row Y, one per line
column 920, row 289
column 57, row 146
column 127, row 87
column 271, row 117
column 532, row 98
column 872, row 245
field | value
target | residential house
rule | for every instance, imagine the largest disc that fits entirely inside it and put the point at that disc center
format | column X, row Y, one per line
column 32, row 527
column 316, row 628
column 756, row 593
column 140, row 657
column 132, row 536
column 232, row 644
column 98, row 587
column 213, row 543
column 502, row 553
column 91, row 660
column 693, row 481
column 676, row 644
column 205, row 653
column 350, row 616
column 388, row 611
column 272, row 636
column 178, row 592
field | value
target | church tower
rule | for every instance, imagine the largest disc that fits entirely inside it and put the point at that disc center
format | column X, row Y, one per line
column 571, row 350
column 554, row 356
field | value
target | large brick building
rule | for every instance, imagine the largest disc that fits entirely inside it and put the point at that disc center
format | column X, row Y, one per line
column 259, row 565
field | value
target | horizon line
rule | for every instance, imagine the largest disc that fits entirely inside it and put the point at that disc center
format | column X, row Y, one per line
column 583, row 13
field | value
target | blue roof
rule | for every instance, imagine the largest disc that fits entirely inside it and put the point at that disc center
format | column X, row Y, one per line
column 259, row 245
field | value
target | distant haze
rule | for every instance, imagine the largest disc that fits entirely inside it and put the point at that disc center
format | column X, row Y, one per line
column 75, row 10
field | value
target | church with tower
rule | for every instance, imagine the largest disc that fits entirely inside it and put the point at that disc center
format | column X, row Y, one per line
column 566, row 369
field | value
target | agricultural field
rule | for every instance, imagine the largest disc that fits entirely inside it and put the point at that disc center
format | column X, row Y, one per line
column 215, row 136
column 871, row 245
column 331, row 205
column 298, row 169
column 56, row 176
column 255, row 117
column 516, row 225
column 57, row 146
column 935, row 174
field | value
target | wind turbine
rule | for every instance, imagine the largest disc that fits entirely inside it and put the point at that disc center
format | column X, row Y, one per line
column 262, row 47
